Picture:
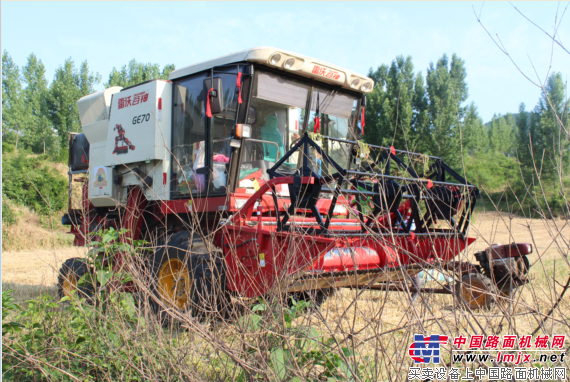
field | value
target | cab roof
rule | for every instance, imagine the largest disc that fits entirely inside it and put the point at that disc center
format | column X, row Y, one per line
column 289, row 62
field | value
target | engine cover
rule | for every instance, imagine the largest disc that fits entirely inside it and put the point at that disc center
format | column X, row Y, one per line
column 139, row 124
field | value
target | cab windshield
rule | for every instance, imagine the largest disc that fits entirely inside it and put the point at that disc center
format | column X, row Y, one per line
column 277, row 114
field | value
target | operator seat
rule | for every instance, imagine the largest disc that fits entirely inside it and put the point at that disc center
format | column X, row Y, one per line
column 270, row 132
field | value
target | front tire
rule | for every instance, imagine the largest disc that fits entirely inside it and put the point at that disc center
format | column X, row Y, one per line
column 188, row 277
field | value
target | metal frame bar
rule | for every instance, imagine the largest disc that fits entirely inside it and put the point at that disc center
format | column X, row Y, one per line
column 381, row 147
column 413, row 192
column 396, row 288
column 261, row 141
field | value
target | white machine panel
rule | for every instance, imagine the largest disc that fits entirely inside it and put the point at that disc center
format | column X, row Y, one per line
column 139, row 126
column 100, row 178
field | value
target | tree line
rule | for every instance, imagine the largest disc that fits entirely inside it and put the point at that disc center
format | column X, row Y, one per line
column 406, row 109
column 38, row 117
column 430, row 115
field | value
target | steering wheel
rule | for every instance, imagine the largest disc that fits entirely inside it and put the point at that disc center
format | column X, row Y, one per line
column 294, row 142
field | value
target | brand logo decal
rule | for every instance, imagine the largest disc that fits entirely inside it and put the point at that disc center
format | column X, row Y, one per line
column 125, row 143
column 426, row 349
column 328, row 73
column 136, row 99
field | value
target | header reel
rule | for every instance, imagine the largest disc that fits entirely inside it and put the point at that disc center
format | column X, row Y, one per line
column 385, row 204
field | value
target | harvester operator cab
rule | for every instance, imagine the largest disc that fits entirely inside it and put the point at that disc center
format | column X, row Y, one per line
column 216, row 126
column 278, row 118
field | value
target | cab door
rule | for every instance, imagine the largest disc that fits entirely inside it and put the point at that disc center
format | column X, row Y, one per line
column 201, row 145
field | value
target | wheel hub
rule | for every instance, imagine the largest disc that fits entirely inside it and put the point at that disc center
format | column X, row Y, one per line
column 175, row 283
column 69, row 284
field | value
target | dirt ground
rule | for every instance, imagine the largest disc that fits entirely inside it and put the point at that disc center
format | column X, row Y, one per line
column 30, row 273
column 493, row 228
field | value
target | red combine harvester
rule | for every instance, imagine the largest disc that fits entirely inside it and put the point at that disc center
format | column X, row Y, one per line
column 253, row 181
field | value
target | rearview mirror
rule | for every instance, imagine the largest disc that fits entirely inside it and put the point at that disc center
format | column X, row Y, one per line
column 216, row 94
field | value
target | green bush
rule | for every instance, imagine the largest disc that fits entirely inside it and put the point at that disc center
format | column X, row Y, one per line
column 297, row 347
column 9, row 216
column 500, row 180
column 69, row 339
column 491, row 171
column 543, row 198
column 33, row 181
column 7, row 147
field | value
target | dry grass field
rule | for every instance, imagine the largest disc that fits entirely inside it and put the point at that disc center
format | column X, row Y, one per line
column 33, row 232
column 33, row 272
column 381, row 324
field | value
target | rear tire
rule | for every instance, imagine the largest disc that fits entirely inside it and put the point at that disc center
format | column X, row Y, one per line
column 188, row 277
column 71, row 271
column 476, row 291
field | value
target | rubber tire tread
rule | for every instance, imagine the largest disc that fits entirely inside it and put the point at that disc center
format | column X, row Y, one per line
column 79, row 267
column 205, row 266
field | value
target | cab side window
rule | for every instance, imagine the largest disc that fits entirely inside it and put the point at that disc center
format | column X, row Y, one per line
column 189, row 138
column 188, row 135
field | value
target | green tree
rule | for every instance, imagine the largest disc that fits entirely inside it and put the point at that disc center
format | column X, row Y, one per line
column 420, row 119
column 166, row 71
column 373, row 132
column 137, row 72
column 503, row 134
column 68, row 86
column 12, row 100
column 474, row 133
column 396, row 107
column 549, row 136
column 523, row 142
column 447, row 90
column 37, row 127
column 543, row 147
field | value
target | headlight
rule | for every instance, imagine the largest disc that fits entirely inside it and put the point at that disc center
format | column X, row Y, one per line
column 355, row 82
column 275, row 59
column 289, row 63
column 365, row 87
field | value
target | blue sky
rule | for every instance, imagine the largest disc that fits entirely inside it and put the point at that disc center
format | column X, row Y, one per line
column 355, row 35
